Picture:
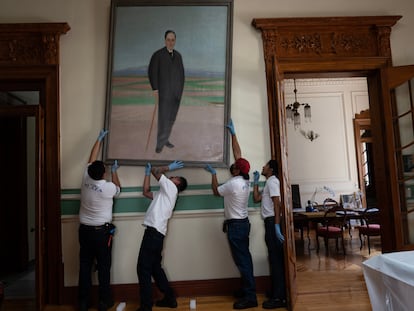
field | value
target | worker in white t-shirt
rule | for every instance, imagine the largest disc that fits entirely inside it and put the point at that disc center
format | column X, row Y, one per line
column 156, row 223
column 272, row 211
column 236, row 193
column 96, row 228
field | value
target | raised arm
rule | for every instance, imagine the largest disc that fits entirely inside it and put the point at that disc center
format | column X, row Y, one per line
column 234, row 142
column 146, row 187
column 257, row 196
column 214, row 181
column 95, row 148
column 159, row 170
column 114, row 171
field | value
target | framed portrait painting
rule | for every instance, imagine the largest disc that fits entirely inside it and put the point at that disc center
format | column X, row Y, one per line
column 168, row 86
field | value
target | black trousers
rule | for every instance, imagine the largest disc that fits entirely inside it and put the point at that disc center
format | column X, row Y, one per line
column 276, row 260
column 149, row 265
column 94, row 244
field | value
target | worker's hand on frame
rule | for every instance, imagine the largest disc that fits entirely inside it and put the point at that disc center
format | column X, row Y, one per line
column 230, row 126
column 102, row 134
column 115, row 166
column 210, row 169
column 256, row 176
column 175, row 165
column 148, row 169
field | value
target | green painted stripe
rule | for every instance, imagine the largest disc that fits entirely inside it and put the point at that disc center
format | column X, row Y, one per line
column 154, row 188
column 140, row 204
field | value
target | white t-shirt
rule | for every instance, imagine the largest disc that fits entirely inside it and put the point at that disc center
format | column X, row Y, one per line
column 162, row 205
column 96, row 200
column 236, row 196
column 271, row 189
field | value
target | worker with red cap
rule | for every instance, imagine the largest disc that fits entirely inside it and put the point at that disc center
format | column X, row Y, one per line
column 236, row 193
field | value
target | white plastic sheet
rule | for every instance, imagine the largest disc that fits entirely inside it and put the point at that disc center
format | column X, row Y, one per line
column 390, row 281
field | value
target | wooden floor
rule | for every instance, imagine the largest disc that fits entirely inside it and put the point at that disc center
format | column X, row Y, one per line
column 334, row 282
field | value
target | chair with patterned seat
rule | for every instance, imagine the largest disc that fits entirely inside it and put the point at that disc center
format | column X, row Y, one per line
column 371, row 225
column 332, row 226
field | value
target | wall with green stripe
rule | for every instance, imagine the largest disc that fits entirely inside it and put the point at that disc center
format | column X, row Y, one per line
column 194, row 198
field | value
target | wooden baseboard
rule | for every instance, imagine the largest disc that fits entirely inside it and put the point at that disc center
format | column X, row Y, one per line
column 130, row 292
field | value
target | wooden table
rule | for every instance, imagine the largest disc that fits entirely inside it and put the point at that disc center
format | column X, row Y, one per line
column 302, row 219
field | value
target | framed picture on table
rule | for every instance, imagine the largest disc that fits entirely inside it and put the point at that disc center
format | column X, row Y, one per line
column 163, row 106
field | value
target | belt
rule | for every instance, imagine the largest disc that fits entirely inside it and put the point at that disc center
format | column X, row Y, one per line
column 153, row 230
column 95, row 227
column 269, row 218
column 235, row 220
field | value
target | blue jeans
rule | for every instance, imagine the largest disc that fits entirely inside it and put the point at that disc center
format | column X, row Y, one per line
column 149, row 265
column 238, row 236
column 276, row 260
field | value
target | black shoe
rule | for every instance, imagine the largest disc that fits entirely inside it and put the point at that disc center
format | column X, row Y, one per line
column 105, row 305
column 144, row 308
column 239, row 293
column 167, row 303
column 158, row 149
column 169, row 145
column 83, row 306
column 274, row 303
column 244, row 304
column 102, row 306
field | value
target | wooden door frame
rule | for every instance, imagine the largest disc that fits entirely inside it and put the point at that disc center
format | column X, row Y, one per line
column 362, row 121
column 326, row 47
column 32, row 61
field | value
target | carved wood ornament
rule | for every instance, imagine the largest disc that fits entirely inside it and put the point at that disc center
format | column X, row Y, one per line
column 31, row 44
column 333, row 37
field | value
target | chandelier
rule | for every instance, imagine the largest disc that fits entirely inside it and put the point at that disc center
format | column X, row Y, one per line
column 292, row 110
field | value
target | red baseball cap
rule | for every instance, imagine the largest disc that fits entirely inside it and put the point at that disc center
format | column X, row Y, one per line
column 243, row 165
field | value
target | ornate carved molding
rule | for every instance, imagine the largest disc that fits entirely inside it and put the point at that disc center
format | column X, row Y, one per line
column 31, row 44
column 335, row 37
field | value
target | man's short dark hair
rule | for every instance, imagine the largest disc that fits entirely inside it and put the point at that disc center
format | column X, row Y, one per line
column 183, row 184
column 169, row 31
column 96, row 170
column 273, row 166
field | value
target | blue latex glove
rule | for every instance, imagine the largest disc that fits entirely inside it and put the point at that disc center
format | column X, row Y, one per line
column 230, row 126
column 115, row 166
column 210, row 169
column 175, row 165
column 256, row 177
column 279, row 234
column 102, row 134
column 148, row 169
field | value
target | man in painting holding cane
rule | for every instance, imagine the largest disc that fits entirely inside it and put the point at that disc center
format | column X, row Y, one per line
column 166, row 75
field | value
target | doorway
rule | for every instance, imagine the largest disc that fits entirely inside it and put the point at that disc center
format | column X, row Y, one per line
column 18, row 191
column 356, row 46
column 21, row 70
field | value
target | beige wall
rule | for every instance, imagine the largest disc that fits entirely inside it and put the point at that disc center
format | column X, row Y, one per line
column 195, row 247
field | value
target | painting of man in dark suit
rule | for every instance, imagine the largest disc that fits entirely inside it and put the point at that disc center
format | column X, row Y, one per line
column 166, row 75
column 162, row 106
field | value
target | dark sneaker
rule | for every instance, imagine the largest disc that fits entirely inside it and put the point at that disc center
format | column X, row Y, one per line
column 239, row 293
column 83, row 306
column 274, row 303
column 144, row 308
column 104, row 306
column 244, row 304
column 167, row 303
